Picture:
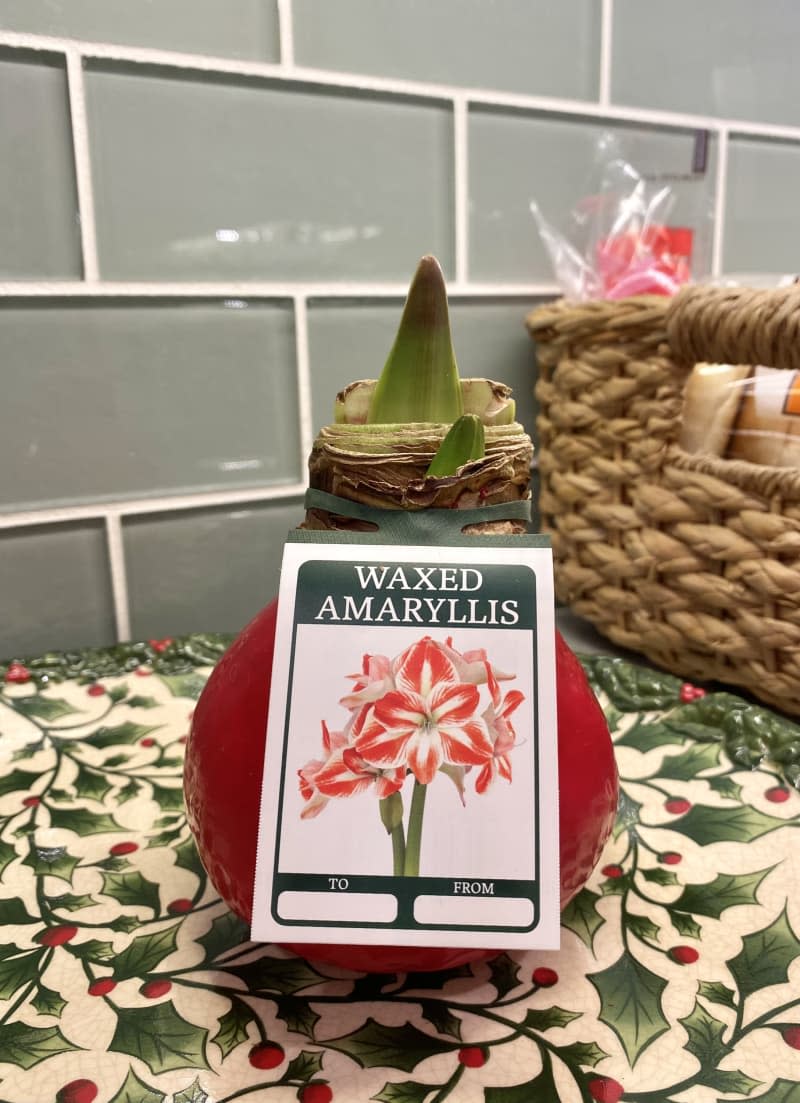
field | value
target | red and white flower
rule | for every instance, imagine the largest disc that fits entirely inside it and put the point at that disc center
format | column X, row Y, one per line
column 501, row 731
column 374, row 680
column 343, row 773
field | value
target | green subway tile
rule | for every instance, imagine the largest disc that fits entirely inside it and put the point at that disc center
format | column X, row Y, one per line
column 761, row 209
column 39, row 232
column 351, row 340
column 223, row 28
column 126, row 399
column 55, row 591
column 733, row 58
column 214, row 179
column 555, row 161
column 204, row 570
column 531, row 46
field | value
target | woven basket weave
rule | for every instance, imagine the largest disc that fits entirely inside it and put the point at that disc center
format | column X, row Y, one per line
column 690, row 559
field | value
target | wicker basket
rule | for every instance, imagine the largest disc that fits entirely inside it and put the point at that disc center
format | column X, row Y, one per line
column 690, row 559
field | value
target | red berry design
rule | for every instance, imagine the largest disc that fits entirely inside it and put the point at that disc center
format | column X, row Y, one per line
column 77, row 1091
column 612, row 871
column 102, row 987
column 268, row 1055
column 688, row 693
column 148, row 741
column 17, row 673
column 160, row 645
column 791, row 1035
column 153, row 989
column 474, row 1057
column 545, row 978
column 142, row 672
column 684, row 955
column 179, row 907
column 777, row 794
column 118, row 849
column 57, row 936
column 316, row 1092
column 31, row 802
column 604, row 1089
column 95, row 690
column 670, row 858
column 677, row 805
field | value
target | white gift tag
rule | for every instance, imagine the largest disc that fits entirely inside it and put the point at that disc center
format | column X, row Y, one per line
column 410, row 791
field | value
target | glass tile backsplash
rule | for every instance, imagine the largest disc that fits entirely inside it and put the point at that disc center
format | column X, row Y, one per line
column 209, row 212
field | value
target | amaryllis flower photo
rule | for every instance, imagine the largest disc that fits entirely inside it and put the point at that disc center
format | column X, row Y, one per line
column 422, row 713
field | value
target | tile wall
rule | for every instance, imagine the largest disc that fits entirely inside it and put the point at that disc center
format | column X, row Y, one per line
column 209, row 212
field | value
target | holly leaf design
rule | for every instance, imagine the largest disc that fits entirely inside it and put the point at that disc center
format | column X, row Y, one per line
column 407, row 1091
column 91, row 783
column 782, row 1091
column 716, row 992
column 94, row 950
column 138, row 701
column 160, row 1037
column 691, row 762
column 304, row 1066
column 705, row 825
column 7, row 854
column 186, row 857
column 13, row 912
column 132, row 889
column 44, row 708
column 704, row 1036
column 48, row 1002
column 632, row 688
column 51, row 861
column 730, row 1081
column 129, row 732
column 644, row 737
column 630, row 1003
column 143, row 954
column 277, row 974
column 17, row 781
column 643, row 927
column 299, row 1017
column 70, row 902
column 542, row 1089
column 765, row 957
column 441, row 1018
column 194, row 1093
column 660, row 876
column 232, row 1027
column 725, row 786
column 128, row 791
column 549, row 1017
column 375, row 1045
column 227, row 932
column 134, row 1090
column 582, row 917
column 184, row 685
column 727, row 890
column 503, row 974
column 582, row 1053
column 82, row 821
column 685, row 925
column 169, row 798
column 628, row 811
column 18, row 971
column 118, row 693
column 124, row 923
column 25, row 1046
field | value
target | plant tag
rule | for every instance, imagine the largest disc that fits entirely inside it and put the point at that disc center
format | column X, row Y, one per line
column 410, row 791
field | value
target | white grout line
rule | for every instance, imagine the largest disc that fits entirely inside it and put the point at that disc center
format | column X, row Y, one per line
column 461, row 187
column 397, row 87
column 137, row 506
column 286, row 32
column 303, row 364
column 259, row 290
column 606, row 51
column 119, row 577
column 720, row 198
column 83, row 168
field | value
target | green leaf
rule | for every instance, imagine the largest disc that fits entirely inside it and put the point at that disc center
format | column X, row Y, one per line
column 298, row 1015
column 18, row 971
column 186, row 857
column 542, row 1089
column 91, row 783
column 124, row 923
column 582, row 1053
column 48, row 1002
column 549, row 1017
column 94, row 950
column 69, row 902
column 782, row 1091
column 727, row 890
column 706, row 825
column 121, row 733
column 643, row 927
column 725, row 786
column 169, row 798
column 685, row 925
column 13, row 912
column 691, row 762
column 115, row 760
column 184, row 685
column 632, row 688
column 52, row 861
column 441, row 1018
column 503, row 974
column 139, row 702
column 144, row 953
column 164, row 838
column 132, row 889
column 128, row 791
column 134, row 1090
column 227, row 932
column 734, row 1080
column 8, row 853
column 232, row 1027
column 582, row 917
column 277, row 974
column 716, row 992
column 43, row 708
column 194, row 1093
column 25, row 1046
column 660, row 876
column 17, row 781
column 304, row 1066
column 644, row 737
column 765, row 957
column 160, row 1037
column 628, row 811
column 407, row 1091
column 118, row 693
column 375, row 1045
column 82, row 821
column 465, row 441
column 630, row 1003
column 705, row 1036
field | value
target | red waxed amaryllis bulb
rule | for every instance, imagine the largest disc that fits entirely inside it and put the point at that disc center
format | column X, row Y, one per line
column 417, row 399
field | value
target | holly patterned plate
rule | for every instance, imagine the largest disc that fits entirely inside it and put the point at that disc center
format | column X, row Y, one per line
column 123, row 978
